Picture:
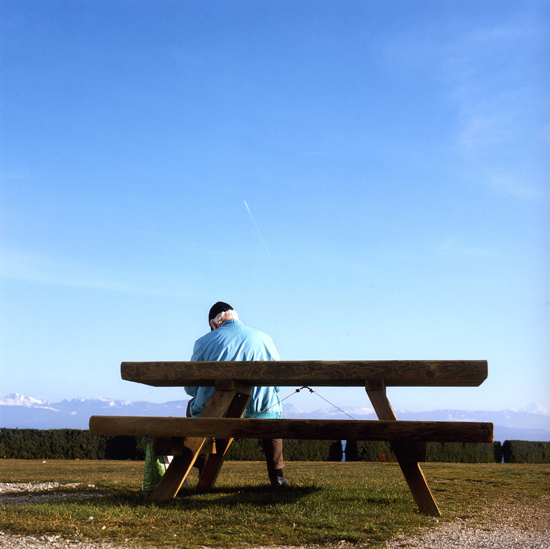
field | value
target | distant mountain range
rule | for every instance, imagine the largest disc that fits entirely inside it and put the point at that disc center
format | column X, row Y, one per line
column 26, row 412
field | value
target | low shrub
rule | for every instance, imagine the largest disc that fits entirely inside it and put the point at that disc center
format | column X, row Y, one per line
column 449, row 452
column 79, row 444
column 368, row 450
column 248, row 449
column 464, row 452
column 523, row 451
column 68, row 444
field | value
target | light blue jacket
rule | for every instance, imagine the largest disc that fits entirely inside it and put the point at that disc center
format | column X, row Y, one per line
column 235, row 341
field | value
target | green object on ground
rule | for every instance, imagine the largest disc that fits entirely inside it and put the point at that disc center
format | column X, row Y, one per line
column 155, row 467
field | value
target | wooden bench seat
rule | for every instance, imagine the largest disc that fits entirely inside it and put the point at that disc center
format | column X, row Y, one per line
column 316, row 429
column 233, row 382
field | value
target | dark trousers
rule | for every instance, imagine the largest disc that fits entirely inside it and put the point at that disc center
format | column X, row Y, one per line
column 273, row 450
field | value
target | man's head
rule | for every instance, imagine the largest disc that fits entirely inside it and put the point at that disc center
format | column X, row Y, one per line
column 219, row 313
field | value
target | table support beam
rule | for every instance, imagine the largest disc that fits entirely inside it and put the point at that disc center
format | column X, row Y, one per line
column 215, row 461
column 231, row 396
column 376, row 390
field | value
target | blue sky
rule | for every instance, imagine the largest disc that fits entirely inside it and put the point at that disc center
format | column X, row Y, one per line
column 359, row 179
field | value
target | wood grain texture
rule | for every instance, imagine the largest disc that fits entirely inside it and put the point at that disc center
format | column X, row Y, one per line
column 350, row 373
column 319, row 429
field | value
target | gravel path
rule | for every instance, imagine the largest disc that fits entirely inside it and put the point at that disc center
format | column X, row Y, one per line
column 507, row 527
column 35, row 493
column 461, row 535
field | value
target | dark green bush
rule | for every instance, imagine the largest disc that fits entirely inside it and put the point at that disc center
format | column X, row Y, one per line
column 451, row 452
column 312, row 450
column 248, row 449
column 79, row 444
column 369, row 450
column 523, row 451
column 463, row 452
column 68, row 444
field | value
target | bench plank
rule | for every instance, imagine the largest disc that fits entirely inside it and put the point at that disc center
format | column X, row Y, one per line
column 320, row 429
column 348, row 373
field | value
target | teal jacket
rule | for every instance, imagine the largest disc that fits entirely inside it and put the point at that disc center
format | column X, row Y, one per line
column 235, row 341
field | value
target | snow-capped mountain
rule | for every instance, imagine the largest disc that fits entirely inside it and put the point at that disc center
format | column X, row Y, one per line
column 17, row 411
column 509, row 424
column 16, row 399
column 533, row 409
column 24, row 412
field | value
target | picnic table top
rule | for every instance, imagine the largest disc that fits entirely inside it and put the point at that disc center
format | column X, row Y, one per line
column 347, row 373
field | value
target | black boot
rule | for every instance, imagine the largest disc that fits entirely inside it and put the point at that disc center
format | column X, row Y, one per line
column 278, row 479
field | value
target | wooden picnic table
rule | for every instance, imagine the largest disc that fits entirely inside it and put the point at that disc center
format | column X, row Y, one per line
column 184, row 438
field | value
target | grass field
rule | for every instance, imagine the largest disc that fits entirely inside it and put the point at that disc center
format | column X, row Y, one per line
column 364, row 503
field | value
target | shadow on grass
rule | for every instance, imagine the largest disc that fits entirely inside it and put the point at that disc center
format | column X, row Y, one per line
column 217, row 497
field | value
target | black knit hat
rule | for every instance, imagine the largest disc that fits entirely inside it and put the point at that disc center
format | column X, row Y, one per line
column 218, row 308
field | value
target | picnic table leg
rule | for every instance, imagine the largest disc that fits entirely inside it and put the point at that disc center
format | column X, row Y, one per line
column 412, row 471
column 215, row 461
column 181, row 465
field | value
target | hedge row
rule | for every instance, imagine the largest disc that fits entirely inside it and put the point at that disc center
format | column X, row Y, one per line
column 79, row 444
column 521, row 451
column 68, row 444
column 446, row 452
column 250, row 449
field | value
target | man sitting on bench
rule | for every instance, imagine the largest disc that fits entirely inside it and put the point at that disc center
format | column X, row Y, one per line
column 229, row 339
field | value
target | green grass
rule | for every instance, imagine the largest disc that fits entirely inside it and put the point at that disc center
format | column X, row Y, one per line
column 364, row 503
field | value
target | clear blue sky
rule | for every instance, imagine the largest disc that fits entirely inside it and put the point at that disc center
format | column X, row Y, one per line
column 393, row 156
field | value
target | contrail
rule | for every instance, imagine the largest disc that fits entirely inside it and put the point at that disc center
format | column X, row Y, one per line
column 259, row 233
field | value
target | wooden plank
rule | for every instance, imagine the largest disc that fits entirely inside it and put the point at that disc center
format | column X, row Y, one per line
column 239, row 387
column 412, row 471
column 317, row 429
column 350, row 373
